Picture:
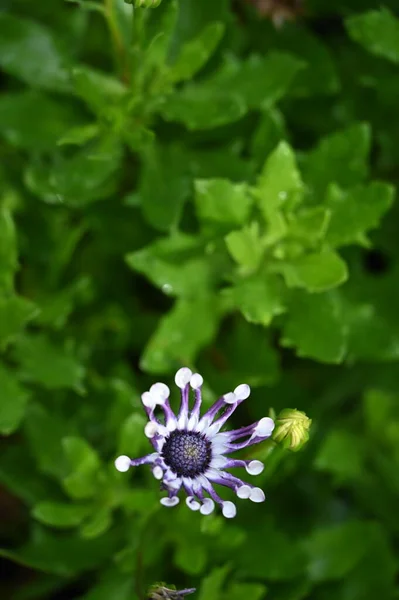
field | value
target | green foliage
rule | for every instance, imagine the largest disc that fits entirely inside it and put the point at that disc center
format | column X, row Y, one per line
column 182, row 183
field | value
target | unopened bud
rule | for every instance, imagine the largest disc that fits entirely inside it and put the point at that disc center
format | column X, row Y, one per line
column 160, row 592
column 292, row 429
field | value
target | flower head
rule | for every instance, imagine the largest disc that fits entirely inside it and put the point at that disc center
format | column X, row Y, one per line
column 190, row 449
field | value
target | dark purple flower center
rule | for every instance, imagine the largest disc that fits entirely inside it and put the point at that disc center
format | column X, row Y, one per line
column 187, row 453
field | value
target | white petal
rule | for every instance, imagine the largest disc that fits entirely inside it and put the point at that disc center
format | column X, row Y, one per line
column 148, row 400
column 196, row 381
column 182, row 422
column 192, row 503
column 265, row 427
column 257, row 495
column 151, row 429
column 218, row 462
column 192, row 422
column 230, row 398
column 157, row 472
column 122, row 463
column 203, row 424
column 183, row 377
column 242, row 391
column 160, row 392
column 229, row 509
column 244, row 492
column 212, row 430
column 207, row 507
column 170, row 501
column 171, row 425
column 255, row 467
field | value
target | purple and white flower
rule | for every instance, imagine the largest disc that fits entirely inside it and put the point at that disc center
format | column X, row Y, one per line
column 190, row 449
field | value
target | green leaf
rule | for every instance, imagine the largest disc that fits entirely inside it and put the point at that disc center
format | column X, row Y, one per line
column 279, row 182
column 341, row 158
column 101, row 92
column 195, row 54
column 309, row 225
column 280, row 560
column 246, row 247
column 190, row 558
column 44, row 432
column 259, row 81
column 343, row 455
column 181, row 334
column 33, row 121
column 84, row 464
column 356, row 211
column 15, row 312
column 50, row 365
column 176, row 265
column 88, row 175
column 334, row 551
column 97, row 524
column 29, row 51
column 8, row 249
column 222, row 201
column 260, row 298
column 65, row 555
column 377, row 31
column 316, row 272
column 77, row 136
column 131, row 439
column 212, row 584
column 164, row 186
column 316, row 328
column 245, row 591
column 58, row 514
column 13, row 402
column 201, row 107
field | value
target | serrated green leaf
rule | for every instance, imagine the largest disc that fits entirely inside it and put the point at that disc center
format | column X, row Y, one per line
column 315, row 327
column 316, row 272
column 222, row 201
column 309, row 225
column 195, row 54
column 15, row 312
column 279, row 181
column 341, row 158
column 246, row 246
column 176, row 265
column 377, row 31
column 58, row 514
column 260, row 298
column 29, row 51
column 13, row 402
column 356, row 211
column 181, row 333
column 50, row 365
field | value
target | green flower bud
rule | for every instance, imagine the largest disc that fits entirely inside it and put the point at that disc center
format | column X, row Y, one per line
column 160, row 592
column 292, row 429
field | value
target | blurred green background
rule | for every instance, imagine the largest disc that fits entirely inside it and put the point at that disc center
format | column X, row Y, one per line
column 207, row 184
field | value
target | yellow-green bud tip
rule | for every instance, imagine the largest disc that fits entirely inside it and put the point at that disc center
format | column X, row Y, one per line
column 292, row 429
